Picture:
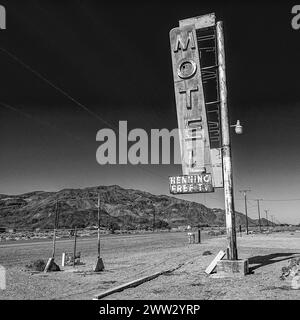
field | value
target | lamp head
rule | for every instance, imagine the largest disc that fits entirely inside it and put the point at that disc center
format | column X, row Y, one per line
column 238, row 127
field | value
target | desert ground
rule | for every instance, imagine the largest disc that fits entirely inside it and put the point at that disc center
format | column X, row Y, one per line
column 129, row 257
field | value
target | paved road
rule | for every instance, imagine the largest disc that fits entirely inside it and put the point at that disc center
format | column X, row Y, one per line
column 22, row 253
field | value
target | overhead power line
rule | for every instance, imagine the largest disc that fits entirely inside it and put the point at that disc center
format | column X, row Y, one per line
column 267, row 200
column 56, row 87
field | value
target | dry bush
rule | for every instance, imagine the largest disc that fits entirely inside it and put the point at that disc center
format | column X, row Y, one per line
column 36, row 265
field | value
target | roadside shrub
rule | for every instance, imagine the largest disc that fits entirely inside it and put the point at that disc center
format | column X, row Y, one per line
column 36, row 265
column 292, row 269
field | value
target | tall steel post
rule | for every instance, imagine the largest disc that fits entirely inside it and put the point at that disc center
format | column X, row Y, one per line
column 226, row 150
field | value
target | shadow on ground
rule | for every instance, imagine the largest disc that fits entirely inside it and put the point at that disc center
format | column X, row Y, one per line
column 260, row 261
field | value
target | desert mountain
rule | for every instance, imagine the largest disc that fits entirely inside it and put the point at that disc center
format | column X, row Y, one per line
column 122, row 208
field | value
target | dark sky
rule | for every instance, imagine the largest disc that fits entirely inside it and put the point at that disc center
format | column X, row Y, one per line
column 115, row 60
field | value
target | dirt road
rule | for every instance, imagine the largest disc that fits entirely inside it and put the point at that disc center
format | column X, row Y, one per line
column 132, row 256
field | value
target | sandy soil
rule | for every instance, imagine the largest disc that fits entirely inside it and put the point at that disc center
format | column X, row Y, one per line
column 130, row 257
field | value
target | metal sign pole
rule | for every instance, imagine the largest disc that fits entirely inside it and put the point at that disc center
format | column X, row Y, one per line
column 226, row 150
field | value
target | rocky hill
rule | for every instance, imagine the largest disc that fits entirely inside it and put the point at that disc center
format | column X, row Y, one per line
column 120, row 208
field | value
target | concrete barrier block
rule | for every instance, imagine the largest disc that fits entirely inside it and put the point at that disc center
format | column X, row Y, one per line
column 233, row 267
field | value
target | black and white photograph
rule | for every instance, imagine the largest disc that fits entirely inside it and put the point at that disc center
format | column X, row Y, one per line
column 149, row 152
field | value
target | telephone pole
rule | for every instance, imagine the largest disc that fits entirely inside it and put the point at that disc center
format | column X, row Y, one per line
column 98, row 225
column 266, row 211
column 258, row 210
column 245, row 198
column 154, row 213
column 226, row 148
column 51, row 262
column 99, row 264
column 272, row 220
column 55, row 227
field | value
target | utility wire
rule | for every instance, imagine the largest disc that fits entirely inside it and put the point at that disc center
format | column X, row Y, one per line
column 55, row 87
column 267, row 200
column 14, row 57
column 44, row 123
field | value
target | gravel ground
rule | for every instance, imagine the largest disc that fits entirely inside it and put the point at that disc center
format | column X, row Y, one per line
column 130, row 257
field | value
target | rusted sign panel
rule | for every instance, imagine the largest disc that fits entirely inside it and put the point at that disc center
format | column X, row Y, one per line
column 217, row 167
column 207, row 46
column 204, row 21
column 190, row 104
column 200, row 183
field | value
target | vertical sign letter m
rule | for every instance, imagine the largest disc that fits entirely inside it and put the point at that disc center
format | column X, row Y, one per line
column 2, row 17
column 183, row 45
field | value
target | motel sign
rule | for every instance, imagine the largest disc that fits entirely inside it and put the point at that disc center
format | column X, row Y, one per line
column 198, row 59
column 196, row 84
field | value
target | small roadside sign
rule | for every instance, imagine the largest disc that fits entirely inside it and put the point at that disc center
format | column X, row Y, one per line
column 198, row 183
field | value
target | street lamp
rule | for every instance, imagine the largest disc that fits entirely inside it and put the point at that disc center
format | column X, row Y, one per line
column 238, row 127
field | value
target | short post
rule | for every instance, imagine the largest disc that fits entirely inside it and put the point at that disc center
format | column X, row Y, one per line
column 199, row 235
column 189, row 234
column 227, row 253
column 63, row 259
